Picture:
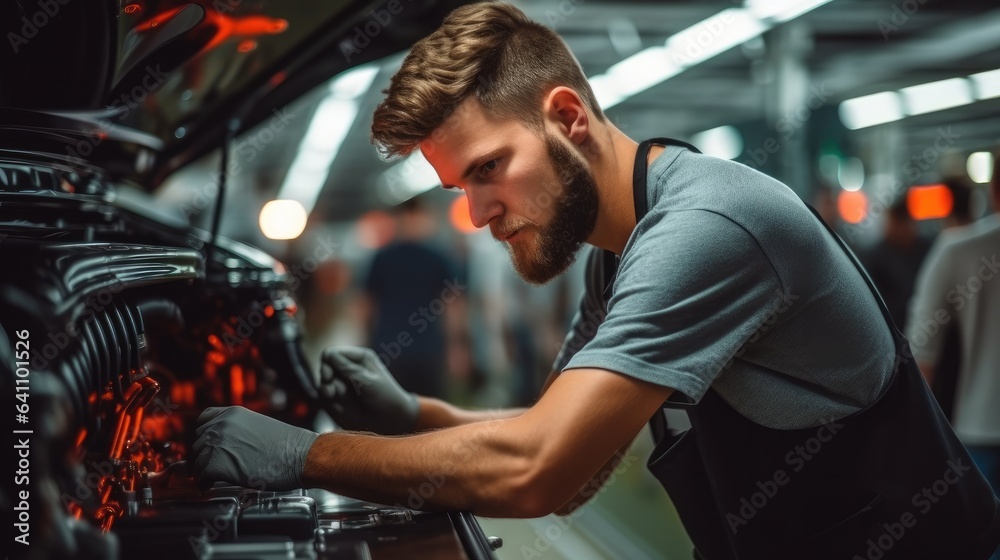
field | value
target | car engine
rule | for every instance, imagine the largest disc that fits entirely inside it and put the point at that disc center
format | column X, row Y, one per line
column 117, row 329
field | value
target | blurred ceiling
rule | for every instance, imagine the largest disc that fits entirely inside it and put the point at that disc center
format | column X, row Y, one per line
column 847, row 48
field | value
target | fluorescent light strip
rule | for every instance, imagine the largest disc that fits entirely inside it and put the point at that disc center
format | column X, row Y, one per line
column 936, row 96
column 890, row 106
column 870, row 110
column 330, row 124
column 987, row 84
column 694, row 45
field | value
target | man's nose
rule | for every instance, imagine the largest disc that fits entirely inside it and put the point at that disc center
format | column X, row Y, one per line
column 483, row 208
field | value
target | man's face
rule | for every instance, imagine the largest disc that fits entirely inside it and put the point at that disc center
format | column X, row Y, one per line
column 536, row 195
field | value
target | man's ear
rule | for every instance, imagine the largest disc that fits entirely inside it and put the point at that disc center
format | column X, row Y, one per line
column 563, row 108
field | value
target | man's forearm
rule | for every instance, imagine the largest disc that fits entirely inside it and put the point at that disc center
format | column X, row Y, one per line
column 594, row 485
column 435, row 414
column 479, row 467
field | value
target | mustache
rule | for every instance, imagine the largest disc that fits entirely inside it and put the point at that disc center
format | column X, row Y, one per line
column 503, row 230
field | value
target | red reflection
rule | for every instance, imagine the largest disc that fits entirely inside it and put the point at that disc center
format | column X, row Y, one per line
column 131, row 8
column 226, row 26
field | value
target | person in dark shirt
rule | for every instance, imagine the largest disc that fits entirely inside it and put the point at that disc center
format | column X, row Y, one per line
column 411, row 293
column 893, row 262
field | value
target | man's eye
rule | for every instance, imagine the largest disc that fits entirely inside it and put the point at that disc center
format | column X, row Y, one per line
column 487, row 169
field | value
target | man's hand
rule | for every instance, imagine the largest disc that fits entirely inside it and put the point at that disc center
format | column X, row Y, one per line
column 360, row 394
column 248, row 449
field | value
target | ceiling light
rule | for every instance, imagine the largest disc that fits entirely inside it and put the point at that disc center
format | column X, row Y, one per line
column 980, row 166
column 724, row 142
column 781, row 10
column 330, row 124
column 714, row 35
column 641, row 71
column 282, row 219
column 888, row 106
column 852, row 174
column 870, row 110
column 694, row 45
column 936, row 96
column 987, row 84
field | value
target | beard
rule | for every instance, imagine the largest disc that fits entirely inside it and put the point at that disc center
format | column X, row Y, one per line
column 574, row 215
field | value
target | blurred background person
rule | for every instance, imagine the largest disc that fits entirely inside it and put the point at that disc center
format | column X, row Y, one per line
column 949, row 362
column 958, row 286
column 894, row 260
column 413, row 306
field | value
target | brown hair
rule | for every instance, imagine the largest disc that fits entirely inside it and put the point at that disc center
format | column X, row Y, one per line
column 489, row 50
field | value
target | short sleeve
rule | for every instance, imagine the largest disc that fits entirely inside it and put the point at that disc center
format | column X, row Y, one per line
column 593, row 306
column 693, row 287
column 927, row 305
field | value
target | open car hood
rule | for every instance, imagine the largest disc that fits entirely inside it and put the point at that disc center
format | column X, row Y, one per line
column 142, row 88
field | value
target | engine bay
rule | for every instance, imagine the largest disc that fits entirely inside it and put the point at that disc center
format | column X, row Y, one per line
column 116, row 331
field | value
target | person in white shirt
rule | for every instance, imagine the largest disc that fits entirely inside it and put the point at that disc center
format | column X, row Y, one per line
column 959, row 286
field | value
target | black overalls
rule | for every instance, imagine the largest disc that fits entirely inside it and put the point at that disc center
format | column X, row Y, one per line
column 889, row 482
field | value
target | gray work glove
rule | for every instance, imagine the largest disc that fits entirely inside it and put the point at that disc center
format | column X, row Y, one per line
column 242, row 447
column 361, row 394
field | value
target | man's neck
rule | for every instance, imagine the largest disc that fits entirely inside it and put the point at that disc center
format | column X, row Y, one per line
column 613, row 173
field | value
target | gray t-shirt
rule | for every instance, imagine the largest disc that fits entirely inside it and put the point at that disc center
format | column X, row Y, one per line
column 729, row 281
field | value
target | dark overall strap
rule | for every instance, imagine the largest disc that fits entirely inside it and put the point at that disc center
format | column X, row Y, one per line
column 658, row 423
column 639, row 172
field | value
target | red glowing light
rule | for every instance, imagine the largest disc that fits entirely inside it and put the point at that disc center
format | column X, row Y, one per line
column 131, row 8
column 929, row 202
column 853, row 206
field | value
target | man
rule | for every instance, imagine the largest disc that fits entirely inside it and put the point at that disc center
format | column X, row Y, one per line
column 893, row 262
column 392, row 309
column 729, row 293
column 956, row 290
